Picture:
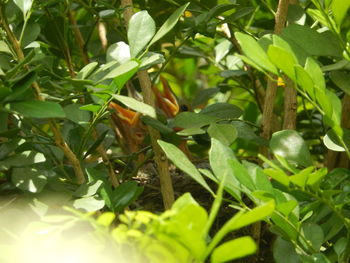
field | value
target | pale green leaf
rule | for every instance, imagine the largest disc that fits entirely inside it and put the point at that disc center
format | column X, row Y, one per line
column 141, row 30
column 136, row 105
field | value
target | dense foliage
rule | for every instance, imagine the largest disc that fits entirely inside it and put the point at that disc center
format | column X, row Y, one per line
column 250, row 100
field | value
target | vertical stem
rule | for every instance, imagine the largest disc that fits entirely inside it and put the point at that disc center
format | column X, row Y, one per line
column 78, row 37
column 268, row 115
column 290, row 98
column 148, row 97
column 290, row 105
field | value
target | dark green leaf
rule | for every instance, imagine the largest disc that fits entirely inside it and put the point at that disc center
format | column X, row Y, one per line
column 222, row 111
column 284, row 252
column 125, row 194
column 29, row 179
column 38, row 109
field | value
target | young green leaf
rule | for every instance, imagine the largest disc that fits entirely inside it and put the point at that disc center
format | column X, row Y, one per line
column 255, row 52
column 283, row 60
column 234, row 249
column 339, row 8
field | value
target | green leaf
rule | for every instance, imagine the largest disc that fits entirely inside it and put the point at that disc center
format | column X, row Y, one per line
column 183, row 163
column 24, row 5
column 314, row 234
column 106, row 219
column 96, row 143
column 284, row 252
column 234, row 249
column 19, row 89
column 119, row 52
column 225, row 133
column 283, row 60
column 38, row 109
column 342, row 80
column 31, row 33
column 22, row 159
column 122, row 73
column 156, row 124
column 91, row 107
column 241, row 174
column 332, row 142
column 141, row 30
column 316, row 74
column 252, row 216
column 222, row 111
column 28, row 179
column 87, row 70
column 302, row 177
column 136, row 105
column 125, row 194
column 278, row 175
column 306, row 42
column 239, row 13
column 192, row 120
column 340, row 8
column 4, row 48
column 255, row 52
column 89, row 189
column 305, row 81
column 168, row 24
column 89, row 204
column 222, row 49
column 76, row 114
column 290, row 145
column 150, row 59
column 219, row 156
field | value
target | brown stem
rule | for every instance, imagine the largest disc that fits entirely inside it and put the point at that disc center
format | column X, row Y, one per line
column 78, row 37
column 148, row 97
column 267, row 117
column 290, row 105
column 61, row 143
column 290, row 97
column 59, row 140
